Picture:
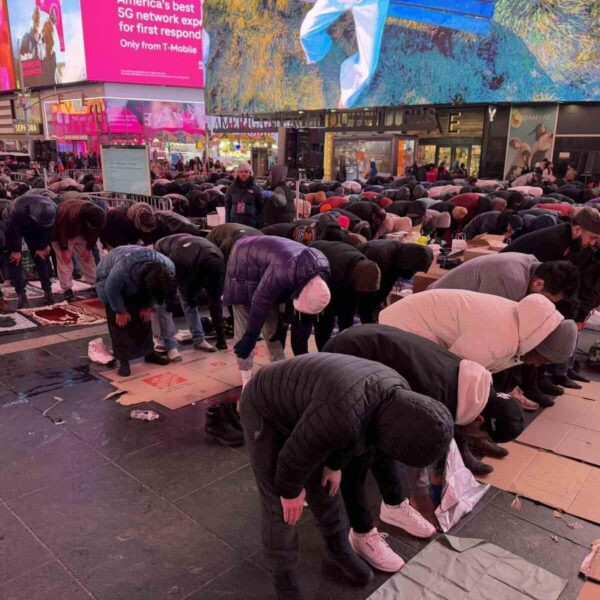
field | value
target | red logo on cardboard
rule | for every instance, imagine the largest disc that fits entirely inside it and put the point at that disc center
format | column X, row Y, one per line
column 165, row 381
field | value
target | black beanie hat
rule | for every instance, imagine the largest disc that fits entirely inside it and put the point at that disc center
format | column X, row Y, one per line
column 93, row 216
column 503, row 417
column 414, row 429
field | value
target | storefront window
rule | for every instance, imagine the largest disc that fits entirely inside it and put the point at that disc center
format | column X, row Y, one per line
column 356, row 155
column 406, row 155
column 475, row 160
column 426, row 155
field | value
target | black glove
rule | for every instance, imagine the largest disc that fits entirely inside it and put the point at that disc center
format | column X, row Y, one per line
column 245, row 346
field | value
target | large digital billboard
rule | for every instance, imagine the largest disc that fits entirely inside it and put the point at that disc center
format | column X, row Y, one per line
column 156, row 42
column 47, row 40
column 7, row 73
column 294, row 54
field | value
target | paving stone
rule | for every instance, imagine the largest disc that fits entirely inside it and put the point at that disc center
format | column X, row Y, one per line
column 35, row 452
column 182, row 465
column 30, row 361
column 164, row 555
column 49, row 582
column 38, row 382
column 255, row 583
column 19, row 550
column 230, row 508
column 73, row 513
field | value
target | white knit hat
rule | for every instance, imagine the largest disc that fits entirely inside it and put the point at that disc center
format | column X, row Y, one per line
column 314, row 297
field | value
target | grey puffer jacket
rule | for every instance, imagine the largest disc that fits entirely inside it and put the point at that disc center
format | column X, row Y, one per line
column 336, row 405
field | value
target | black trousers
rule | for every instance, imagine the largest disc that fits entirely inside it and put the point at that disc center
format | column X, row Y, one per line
column 280, row 541
column 42, row 266
column 386, row 471
column 342, row 306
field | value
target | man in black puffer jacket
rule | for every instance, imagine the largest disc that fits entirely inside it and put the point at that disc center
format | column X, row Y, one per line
column 280, row 206
column 169, row 223
column 370, row 212
column 464, row 387
column 352, row 274
column 199, row 266
column 243, row 199
column 334, row 406
column 395, row 261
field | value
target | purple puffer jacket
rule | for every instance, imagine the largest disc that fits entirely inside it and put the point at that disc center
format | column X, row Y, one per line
column 265, row 271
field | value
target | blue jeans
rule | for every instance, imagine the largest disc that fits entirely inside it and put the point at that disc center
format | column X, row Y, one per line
column 194, row 321
column 163, row 326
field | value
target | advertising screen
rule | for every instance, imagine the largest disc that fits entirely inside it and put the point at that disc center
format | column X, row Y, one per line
column 7, row 73
column 47, row 41
column 295, row 54
column 151, row 117
column 156, row 42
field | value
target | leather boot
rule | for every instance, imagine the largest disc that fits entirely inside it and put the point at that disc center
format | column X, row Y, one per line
column 339, row 553
column 218, row 428
column 156, row 359
column 232, row 415
column 472, row 463
column 23, row 301
column 576, row 376
column 287, row 586
column 565, row 382
column 486, row 446
column 547, row 387
column 48, row 298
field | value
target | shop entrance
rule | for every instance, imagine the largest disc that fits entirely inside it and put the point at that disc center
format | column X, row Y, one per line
column 455, row 153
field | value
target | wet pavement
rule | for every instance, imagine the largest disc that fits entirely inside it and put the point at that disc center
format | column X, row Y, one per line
column 94, row 504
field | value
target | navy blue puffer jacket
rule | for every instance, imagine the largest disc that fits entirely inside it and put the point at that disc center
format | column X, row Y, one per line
column 264, row 271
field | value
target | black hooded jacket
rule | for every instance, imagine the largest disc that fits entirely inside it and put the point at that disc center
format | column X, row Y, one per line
column 31, row 218
column 335, row 403
column 550, row 243
column 225, row 236
column 428, row 368
column 280, row 207
column 199, row 265
column 342, row 259
column 395, row 260
column 119, row 229
column 363, row 209
column 169, row 223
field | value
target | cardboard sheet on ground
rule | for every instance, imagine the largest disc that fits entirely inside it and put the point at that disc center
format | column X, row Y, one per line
column 13, row 322
column 172, row 386
column 589, row 591
column 589, row 390
column 64, row 314
column 555, row 481
column 451, row 568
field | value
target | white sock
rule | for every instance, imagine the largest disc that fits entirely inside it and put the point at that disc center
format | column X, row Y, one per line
column 246, row 377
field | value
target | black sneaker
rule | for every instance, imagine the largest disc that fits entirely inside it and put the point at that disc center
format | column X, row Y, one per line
column 547, row 387
column 472, row 463
column 68, row 295
column 48, row 298
column 287, row 586
column 124, row 369
column 23, row 301
column 339, row 553
column 156, row 359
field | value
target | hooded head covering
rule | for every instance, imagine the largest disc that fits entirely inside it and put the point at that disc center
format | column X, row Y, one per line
column 313, row 297
column 588, row 218
column 142, row 216
column 366, row 276
column 502, row 417
column 474, row 383
column 537, row 317
column 413, row 429
column 277, row 176
column 560, row 344
column 93, row 216
column 414, row 258
column 419, row 192
column 42, row 212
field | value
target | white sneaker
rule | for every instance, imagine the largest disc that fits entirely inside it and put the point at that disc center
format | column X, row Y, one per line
column 373, row 548
column 159, row 345
column 173, row 355
column 408, row 518
column 204, row 346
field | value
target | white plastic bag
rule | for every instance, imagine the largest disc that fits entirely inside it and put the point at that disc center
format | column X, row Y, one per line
column 459, row 242
column 461, row 492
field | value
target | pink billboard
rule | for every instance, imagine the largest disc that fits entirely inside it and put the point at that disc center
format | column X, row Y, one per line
column 156, row 42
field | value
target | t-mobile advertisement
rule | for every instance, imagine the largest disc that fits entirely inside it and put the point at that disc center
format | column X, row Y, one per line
column 47, row 40
column 155, row 42
column 7, row 74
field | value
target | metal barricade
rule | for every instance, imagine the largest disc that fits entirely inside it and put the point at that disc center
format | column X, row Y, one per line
column 116, row 200
column 76, row 173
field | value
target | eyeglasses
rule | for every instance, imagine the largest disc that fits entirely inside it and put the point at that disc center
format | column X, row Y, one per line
column 244, row 171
